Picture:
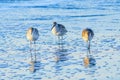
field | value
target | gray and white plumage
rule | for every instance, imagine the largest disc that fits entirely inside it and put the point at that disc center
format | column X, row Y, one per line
column 58, row 29
column 32, row 34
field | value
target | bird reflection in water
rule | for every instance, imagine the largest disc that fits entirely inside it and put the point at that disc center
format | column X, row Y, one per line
column 61, row 56
column 60, row 59
column 89, row 61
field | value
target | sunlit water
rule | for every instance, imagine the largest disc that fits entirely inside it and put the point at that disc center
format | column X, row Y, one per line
column 102, row 16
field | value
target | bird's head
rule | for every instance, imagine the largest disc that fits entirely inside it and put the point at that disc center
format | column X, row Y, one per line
column 31, row 28
column 54, row 23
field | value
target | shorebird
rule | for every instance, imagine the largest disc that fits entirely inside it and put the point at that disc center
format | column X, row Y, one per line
column 87, row 35
column 32, row 35
column 59, row 30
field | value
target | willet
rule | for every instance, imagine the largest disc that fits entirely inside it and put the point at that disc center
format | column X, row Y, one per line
column 59, row 30
column 87, row 35
column 32, row 35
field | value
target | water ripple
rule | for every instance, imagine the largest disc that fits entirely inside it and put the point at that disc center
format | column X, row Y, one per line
column 63, row 17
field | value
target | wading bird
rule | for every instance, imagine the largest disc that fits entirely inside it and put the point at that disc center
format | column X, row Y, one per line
column 87, row 35
column 32, row 35
column 59, row 30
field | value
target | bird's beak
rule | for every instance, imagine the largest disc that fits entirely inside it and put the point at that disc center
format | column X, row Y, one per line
column 53, row 25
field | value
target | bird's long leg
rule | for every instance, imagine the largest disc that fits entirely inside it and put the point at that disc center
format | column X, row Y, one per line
column 62, row 42
column 32, row 63
column 88, row 48
column 31, row 50
column 35, row 50
column 59, row 42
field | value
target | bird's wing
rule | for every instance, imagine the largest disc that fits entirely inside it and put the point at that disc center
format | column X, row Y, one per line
column 61, row 26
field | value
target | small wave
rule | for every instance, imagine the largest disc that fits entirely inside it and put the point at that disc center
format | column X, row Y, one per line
column 95, row 15
column 12, row 1
column 4, row 65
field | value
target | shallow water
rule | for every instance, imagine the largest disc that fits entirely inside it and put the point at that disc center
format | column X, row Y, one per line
column 103, row 17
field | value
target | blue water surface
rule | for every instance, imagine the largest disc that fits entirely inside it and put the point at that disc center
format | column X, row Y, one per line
column 102, row 16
